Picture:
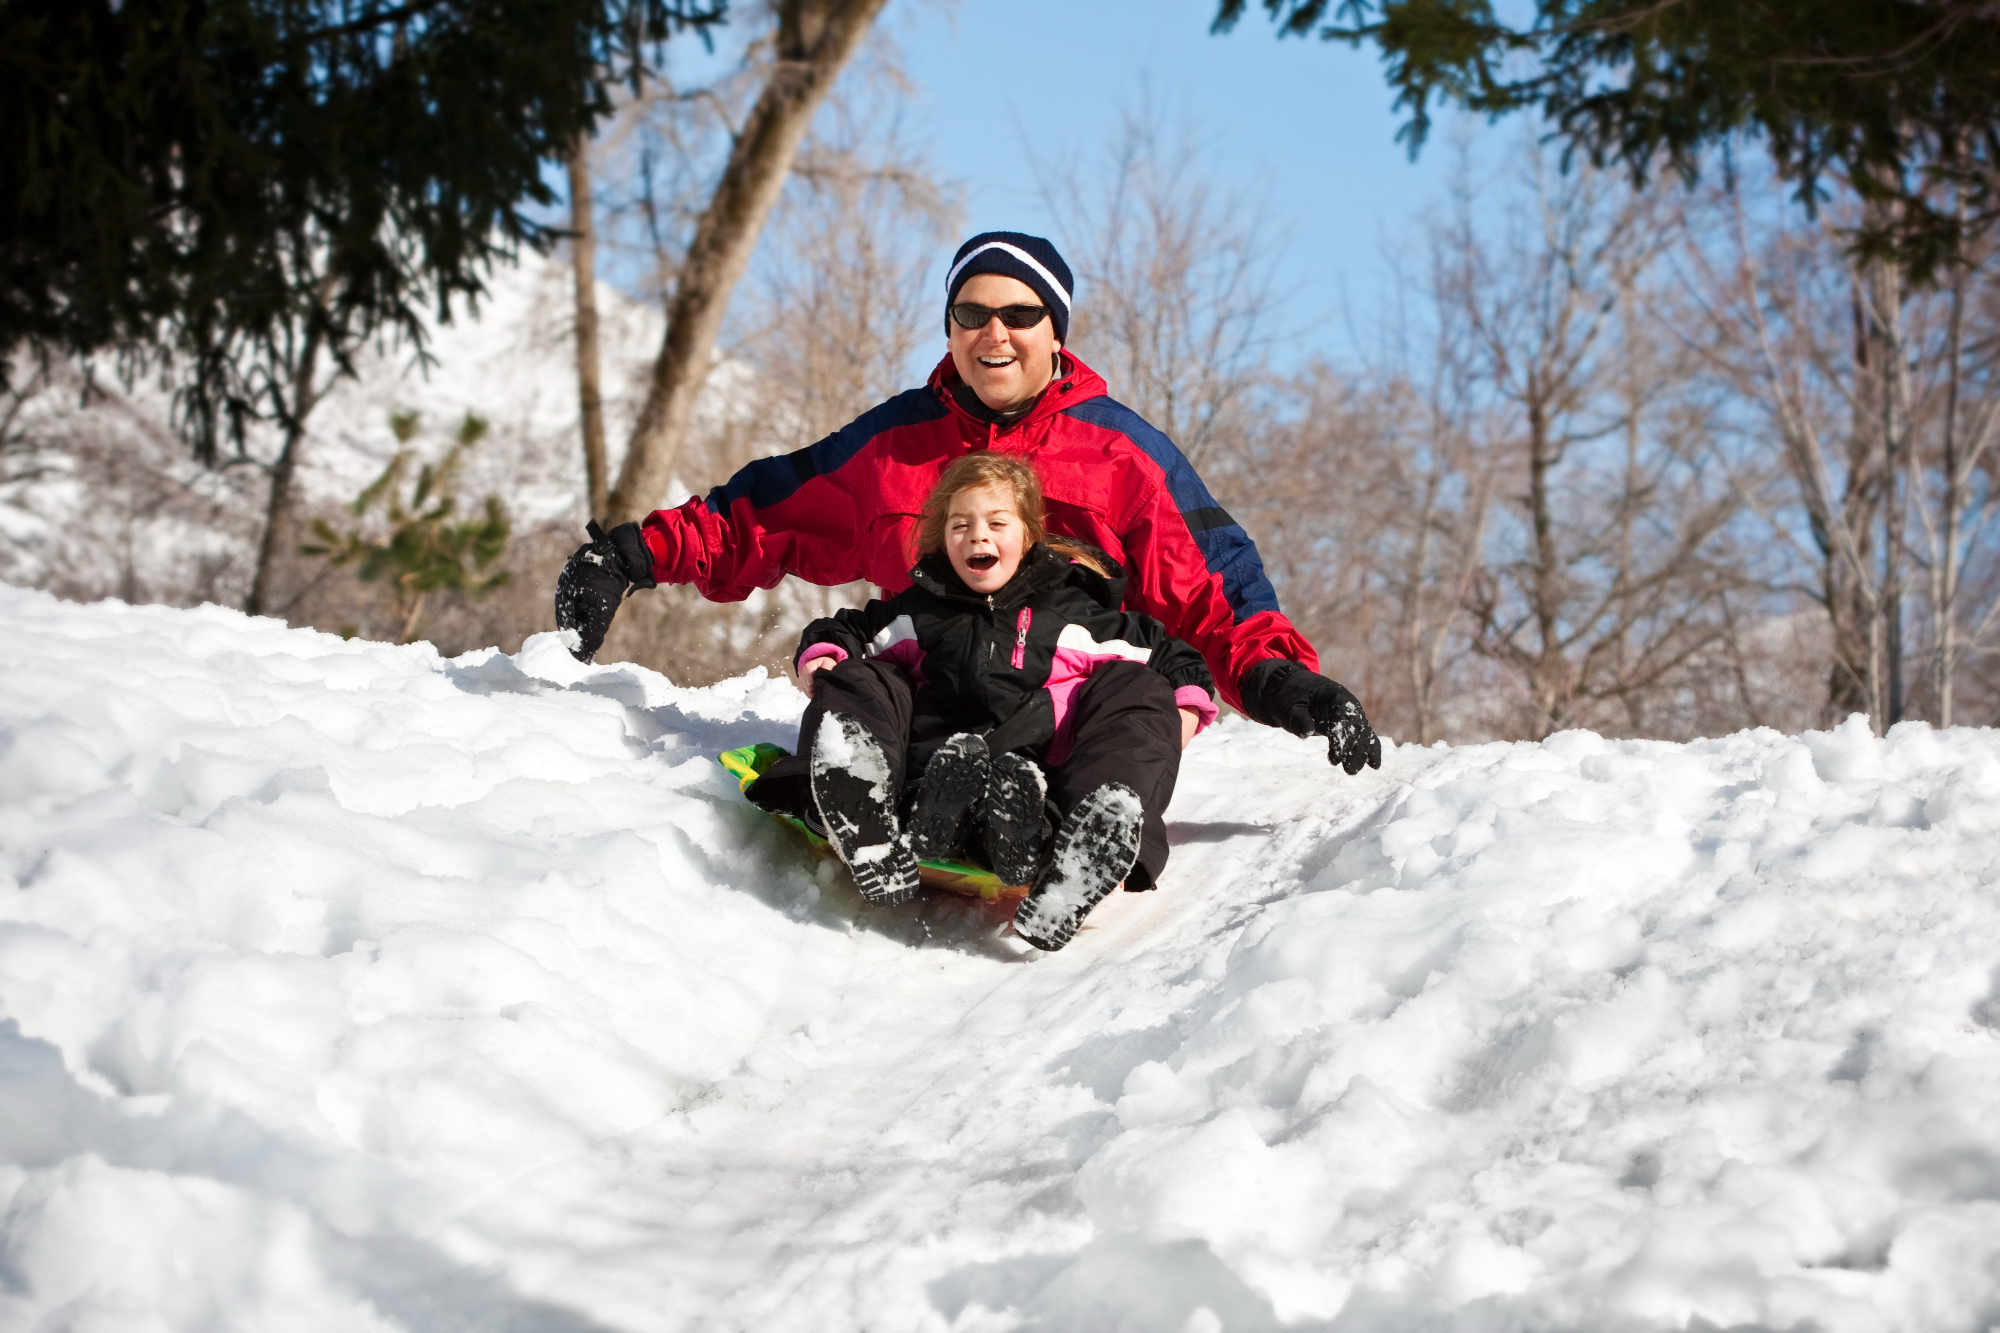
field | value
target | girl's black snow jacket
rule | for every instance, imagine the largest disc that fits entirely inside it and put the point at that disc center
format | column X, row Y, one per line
column 1007, row 664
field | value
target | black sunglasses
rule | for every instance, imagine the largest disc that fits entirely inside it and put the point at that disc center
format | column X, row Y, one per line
column 970, row 316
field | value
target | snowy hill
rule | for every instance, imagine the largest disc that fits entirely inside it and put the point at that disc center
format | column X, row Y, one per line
column 344, row 987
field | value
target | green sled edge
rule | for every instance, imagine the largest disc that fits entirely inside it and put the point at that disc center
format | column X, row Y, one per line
column 746, row 763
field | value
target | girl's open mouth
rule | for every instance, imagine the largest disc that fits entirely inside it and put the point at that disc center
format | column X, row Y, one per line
column 982, row 563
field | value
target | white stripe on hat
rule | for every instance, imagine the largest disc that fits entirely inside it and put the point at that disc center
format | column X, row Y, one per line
column 1018, row 253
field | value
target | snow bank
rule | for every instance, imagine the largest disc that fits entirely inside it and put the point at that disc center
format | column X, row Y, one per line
column 346, row 987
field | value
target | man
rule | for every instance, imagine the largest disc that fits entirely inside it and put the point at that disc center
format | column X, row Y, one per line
column 846, row 508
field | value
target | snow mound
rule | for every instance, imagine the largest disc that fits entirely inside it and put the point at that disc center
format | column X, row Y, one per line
column 345, row 987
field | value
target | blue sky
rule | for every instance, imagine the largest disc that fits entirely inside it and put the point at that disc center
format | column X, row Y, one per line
column 1310, row 123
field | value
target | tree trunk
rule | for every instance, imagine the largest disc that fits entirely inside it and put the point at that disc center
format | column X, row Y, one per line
column 278, row 511
column 590, row 397
column 412, row 619
column 815, row 40
column 1548, row 671
column 1944, row 596
column 1846, row 527
column 1632, row 399
column 1885, row 291
column 1414, row 623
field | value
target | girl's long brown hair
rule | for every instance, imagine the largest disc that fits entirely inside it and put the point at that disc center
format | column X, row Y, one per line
column 1004, row 472
column 1015, row 476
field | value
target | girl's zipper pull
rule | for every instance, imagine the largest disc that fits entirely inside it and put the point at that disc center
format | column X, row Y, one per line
column 1027, row 618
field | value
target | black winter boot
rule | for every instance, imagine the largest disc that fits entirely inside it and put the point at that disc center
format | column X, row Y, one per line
column 1014, row 797
column 852, row 787
column 953, row 784
column 1094, row 849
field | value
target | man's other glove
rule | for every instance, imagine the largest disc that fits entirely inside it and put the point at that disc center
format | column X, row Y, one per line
column 1280, row 693
column 596, row 579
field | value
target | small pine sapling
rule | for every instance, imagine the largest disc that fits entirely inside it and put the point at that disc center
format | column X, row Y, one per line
column 429, row 548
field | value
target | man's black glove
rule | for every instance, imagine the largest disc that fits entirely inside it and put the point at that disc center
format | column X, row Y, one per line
column 1280, row 693
column 596, row 579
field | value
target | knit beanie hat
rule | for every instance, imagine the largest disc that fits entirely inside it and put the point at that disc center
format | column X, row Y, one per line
column 1014, row 255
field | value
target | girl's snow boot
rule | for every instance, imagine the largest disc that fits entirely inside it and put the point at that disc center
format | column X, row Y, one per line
column 1014, row 797
column 1095, row 849
column 851, row 786
column 953, row 783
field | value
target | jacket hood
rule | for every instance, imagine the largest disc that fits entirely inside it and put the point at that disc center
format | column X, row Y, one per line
column 1077, row 384
column 1041, row 569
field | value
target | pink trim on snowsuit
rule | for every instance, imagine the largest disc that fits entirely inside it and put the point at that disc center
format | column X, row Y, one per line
column 1199, row 702
column 897, row 644
column 1078, row 655
column 819, row 650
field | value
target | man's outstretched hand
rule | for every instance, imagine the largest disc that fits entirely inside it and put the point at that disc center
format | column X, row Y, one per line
column 1281, row 693
column 596, row 579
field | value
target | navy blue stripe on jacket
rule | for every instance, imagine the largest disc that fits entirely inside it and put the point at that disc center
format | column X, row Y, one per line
column 1225, row 547
column 771, row 481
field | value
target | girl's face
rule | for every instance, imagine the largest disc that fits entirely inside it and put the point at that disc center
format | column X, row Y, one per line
column 984, row 537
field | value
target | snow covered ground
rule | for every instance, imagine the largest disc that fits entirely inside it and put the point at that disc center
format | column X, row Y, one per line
column 344, row 987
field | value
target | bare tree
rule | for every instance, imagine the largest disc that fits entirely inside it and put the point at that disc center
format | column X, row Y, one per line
column 292, row 382
column 1605, row 583
column 1176, row 279
column 1447, row 480
column 812, row 42
column 1443, row 448
column 1767, row 308
column 830, row 322
column 1320, row 482
column 1879, row 398
column 1954, row 510
column 589, row 368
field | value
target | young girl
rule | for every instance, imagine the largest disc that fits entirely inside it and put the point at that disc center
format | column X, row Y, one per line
column 1007, row 677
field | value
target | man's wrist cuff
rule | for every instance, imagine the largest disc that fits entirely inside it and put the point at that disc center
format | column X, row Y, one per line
column 1258, row 684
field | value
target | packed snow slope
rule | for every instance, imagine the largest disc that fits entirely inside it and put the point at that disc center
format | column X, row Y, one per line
column 343, row 987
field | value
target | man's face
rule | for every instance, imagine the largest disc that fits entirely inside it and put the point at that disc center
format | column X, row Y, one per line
column 1005, row 367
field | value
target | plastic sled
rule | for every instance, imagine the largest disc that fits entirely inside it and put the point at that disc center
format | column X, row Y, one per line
column 747, row 763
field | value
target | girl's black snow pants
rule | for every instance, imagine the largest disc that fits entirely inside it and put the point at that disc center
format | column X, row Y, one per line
column 1124, row 728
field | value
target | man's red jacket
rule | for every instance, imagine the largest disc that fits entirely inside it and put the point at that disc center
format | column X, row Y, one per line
column 847, row 508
